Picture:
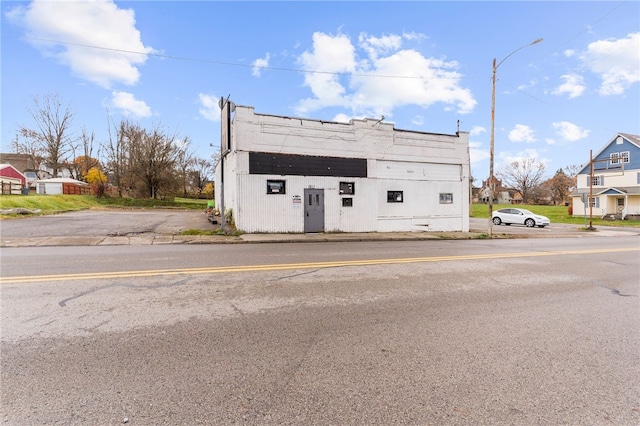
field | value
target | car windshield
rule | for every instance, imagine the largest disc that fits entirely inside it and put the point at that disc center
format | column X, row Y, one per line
column 525, row 211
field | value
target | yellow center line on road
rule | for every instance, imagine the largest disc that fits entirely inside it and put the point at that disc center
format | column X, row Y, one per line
column 288, row 266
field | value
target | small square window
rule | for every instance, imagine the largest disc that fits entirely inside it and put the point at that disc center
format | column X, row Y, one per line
column 275, row 187
column 446, row 198
column 614, row 158
column 347, row 202
column 395, row 197
column 347, row 188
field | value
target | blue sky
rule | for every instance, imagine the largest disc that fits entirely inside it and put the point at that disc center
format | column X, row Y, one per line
column 423, row 65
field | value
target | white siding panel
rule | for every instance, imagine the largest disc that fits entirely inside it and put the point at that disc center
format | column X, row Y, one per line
column 262, row 212
column 421, row 209
column 418, row 171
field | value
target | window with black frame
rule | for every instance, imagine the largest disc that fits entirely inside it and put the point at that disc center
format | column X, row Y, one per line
column 347, row 188
column 395, row 197
column 276, row 187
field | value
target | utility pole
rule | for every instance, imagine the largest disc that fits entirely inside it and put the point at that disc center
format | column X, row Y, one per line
column 225, row 137
column 493, row 125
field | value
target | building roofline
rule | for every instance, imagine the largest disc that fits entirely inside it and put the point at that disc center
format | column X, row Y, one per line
column 350, row 123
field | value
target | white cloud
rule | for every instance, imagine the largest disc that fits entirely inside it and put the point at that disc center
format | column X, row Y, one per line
column 364, row 86
column 476, row 130
column 505, row 158
column 569, row 131
column 476, row 153
column 522, row 133
column 529, row 85
column 330, row 55
column 63, row 29
column 413, row 36
column 375, row 46
column 418, row 120
column 616, row 62
column 569, row 53
column 209, row 108
column 258, row 64
column 573, row 86
column 342, row 118
column 129, row 105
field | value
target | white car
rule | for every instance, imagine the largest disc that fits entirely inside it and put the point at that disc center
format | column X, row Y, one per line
column 520, row 217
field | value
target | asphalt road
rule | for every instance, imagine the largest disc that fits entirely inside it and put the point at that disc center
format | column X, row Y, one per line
column 514, row 332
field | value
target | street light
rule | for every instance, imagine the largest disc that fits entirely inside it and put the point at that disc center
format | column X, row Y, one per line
column 493, row 125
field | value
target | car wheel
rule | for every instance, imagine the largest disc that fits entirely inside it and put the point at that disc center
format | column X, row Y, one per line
column 530, row 223
column 496, row 221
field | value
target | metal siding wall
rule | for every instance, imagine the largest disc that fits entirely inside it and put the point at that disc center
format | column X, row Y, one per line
column 262, row 212
column 418, row 171
column 420, row 164
column 421, row 209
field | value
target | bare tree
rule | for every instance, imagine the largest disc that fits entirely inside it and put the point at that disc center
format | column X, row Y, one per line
column 83, row 159
column 184, row 161
column 53, row 129
column 524, row 176
column 117, row 153
column 201, row 173
column 28, row 142
column 572, row 172
column 153, row 156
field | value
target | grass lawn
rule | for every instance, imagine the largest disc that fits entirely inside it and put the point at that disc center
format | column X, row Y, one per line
column 63, row 203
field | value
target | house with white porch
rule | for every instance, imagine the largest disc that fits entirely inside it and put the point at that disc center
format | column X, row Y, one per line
column 286, row 174
column 608, row 186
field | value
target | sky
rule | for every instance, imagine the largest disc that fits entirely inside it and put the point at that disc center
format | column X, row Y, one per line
column 423, row 65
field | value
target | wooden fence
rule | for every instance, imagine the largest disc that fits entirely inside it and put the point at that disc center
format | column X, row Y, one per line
column 73, row 189
column 10, row 188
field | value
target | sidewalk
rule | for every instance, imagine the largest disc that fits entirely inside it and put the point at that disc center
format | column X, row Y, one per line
column 158, row 239
column 163, row 239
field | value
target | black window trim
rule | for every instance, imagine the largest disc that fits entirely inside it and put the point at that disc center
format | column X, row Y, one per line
column 392, row 196
column 273, row 181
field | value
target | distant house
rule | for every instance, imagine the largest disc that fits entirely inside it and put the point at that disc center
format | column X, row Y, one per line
column 501, row 194
column 612, row 189
column 22, row 162
column 67, row 186
column 11, row 180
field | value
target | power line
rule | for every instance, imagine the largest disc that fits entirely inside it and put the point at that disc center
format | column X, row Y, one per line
column 233, row 64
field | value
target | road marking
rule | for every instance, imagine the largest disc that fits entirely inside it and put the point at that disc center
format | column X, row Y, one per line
column 288, row 266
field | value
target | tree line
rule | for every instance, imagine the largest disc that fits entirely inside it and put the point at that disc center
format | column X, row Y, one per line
column 527, row 176
column 150, row 163
column 134, row 161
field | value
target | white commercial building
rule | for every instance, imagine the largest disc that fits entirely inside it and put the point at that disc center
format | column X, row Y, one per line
column 282, row 174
